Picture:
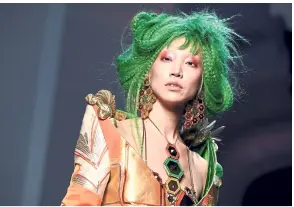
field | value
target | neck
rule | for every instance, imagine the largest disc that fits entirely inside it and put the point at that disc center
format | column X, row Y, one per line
column 167, row 120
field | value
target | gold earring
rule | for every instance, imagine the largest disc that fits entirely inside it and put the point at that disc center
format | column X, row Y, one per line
column 194, row 111
column 146, row 99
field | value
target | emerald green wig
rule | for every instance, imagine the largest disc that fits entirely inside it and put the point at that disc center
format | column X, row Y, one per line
column 208, row 34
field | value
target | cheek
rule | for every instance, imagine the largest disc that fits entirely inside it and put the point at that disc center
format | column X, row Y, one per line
column 157, row 79
column 157, row 73
column 193, row 83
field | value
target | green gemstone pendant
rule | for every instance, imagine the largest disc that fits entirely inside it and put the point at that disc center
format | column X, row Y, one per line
column 175, row 173
column 173, row 168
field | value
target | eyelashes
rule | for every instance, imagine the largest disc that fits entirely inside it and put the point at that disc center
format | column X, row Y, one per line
column 166, row 59
column 169, row 59
column 192, row 64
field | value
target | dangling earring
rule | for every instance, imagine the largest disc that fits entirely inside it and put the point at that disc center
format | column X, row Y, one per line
column 194, row 111
column 146, row 99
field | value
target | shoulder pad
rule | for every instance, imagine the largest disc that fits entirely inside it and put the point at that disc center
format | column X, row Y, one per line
column 106, row 105
column 202, row 131
column 105, row 102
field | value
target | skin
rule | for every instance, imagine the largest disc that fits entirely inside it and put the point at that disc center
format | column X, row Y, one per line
column 179, row 67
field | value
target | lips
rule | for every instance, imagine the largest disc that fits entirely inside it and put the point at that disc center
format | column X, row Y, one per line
column 174, row 84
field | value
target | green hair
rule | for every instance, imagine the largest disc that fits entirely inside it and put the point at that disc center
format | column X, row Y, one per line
column 209, row 35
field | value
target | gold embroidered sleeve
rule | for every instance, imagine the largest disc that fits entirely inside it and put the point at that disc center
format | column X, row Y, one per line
column 91, row 153
column 91, row 159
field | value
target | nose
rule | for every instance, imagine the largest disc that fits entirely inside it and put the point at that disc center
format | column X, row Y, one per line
column 177, row 72
column 177, row 75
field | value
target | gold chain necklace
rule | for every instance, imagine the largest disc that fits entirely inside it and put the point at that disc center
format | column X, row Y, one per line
column 162, row 133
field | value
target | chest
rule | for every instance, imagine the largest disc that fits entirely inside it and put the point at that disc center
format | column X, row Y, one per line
column 170, row 161
column 132, row 181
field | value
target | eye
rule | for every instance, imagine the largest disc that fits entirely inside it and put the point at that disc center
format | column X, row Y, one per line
column 166, row 59
column 190, row 63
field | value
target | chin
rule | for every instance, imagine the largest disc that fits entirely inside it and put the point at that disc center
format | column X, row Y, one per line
column 172, row 98
column 173, row 101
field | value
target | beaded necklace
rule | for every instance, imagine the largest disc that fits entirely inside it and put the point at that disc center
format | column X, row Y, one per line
column 173, row 169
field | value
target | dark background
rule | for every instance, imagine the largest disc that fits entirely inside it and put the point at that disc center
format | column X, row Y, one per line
column 53, row 55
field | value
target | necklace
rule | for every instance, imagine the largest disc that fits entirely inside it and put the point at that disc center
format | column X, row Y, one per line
column 175, row 172
column 156, row 175
column 161, row 132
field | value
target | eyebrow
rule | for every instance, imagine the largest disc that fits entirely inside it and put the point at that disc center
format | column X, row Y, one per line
column 166, row 50
column 163, row 52
column 194, row 58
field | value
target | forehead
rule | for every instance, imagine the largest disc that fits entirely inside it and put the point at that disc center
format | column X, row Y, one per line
column 178, row 43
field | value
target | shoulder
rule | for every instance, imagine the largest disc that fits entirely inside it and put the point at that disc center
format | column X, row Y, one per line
column 101, row 114
column 197, row 158
column 200, row 164
column 202, row 140
column 197, row 136
column 103, row 103
column 129, row 130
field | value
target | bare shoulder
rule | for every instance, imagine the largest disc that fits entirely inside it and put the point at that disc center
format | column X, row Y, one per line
column 200, row 164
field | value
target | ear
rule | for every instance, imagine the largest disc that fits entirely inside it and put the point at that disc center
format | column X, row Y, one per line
column 149, row 74
column 200, row 87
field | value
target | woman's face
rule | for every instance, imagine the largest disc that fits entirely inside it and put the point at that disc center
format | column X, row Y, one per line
column 176, row 75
